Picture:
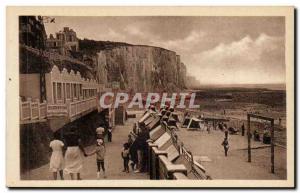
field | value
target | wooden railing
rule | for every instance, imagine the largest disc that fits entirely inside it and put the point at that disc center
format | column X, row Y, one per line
column 78, row 107
column 32, row 110
column 57, row 110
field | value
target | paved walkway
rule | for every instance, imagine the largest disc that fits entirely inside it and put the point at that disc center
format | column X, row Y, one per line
column 113, row 160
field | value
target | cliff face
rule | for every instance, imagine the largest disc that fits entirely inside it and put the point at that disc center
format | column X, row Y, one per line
column 141, row 68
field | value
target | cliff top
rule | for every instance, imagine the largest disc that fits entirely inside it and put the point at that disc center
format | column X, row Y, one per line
column 92, row 46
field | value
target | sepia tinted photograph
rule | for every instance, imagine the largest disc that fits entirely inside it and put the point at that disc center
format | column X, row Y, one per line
column 177, row 100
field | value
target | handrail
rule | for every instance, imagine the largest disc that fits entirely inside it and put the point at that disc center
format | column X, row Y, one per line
column 30, row 111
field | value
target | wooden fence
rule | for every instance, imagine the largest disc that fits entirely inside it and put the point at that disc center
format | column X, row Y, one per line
column 35, row 111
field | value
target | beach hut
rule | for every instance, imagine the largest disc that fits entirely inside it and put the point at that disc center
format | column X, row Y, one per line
column 194, row 123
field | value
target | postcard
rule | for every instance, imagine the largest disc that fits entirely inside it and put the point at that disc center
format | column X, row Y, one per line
column 150, row 97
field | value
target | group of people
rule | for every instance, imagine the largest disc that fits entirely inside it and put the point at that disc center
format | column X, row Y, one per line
column 68, row 156
column 135, row 152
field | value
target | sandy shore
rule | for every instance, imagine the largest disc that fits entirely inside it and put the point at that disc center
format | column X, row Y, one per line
column 235, row 165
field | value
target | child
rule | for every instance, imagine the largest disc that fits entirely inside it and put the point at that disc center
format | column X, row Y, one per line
column 225, row 144
column 100, row 152
column 57, row 159
column 125, row 156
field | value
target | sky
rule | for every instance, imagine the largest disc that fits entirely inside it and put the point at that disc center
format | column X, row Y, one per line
column 215, row 50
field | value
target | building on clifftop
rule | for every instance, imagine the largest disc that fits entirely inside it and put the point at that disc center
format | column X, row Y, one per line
column 64, row 42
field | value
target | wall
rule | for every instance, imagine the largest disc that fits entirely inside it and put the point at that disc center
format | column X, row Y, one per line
column 30, row 85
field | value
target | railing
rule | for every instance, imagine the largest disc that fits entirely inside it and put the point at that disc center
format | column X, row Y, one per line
column 82, row 106
column 32, row 110
column 57, row 110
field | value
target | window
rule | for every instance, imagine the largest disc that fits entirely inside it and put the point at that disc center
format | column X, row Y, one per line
column 74, row 91
column 54, row 92
column 68, row 90
column 59, row 91
column 72, row 95
column 80, row 89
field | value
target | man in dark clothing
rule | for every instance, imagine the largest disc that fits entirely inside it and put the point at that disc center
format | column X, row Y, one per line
column 243, row 129
column 130, row 140
column 225, row 144
column 133, row 154
column 142, row 148
column 225, row 131
column 109, row 134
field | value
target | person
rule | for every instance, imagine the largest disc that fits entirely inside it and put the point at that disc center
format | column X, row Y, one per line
column 125, row 156
column 109, row 134
column 256, row 135
column 243, row 129
column 57, row 159
column 220, row 125
column 100, row 132
column 100, row 152
column 130, row 141
column 208, row 129
column 266, row 136
column 74, row 154
column 133, row 155
column 142, row 148
column 226, row 131
column 225, row 144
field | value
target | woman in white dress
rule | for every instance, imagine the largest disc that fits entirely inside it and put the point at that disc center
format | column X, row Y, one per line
column 57, row 159
column 74, row 154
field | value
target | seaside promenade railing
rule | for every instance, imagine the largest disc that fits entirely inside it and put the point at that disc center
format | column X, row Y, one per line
column 81, row 106
column 32, row 111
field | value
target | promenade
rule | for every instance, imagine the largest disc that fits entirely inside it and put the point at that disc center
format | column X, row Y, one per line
column 113, row 160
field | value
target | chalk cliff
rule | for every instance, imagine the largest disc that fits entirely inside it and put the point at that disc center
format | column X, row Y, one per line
column 141, row 68
column 135, row 67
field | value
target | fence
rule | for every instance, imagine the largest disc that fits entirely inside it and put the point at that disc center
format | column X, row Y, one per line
column 79, row 107
column 33, row 110
column 57, row 110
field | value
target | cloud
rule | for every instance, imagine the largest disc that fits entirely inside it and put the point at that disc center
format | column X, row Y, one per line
column 188, row 43
column 134, row 30
column 214, row 49
column 248, row 60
